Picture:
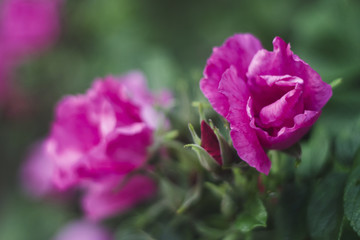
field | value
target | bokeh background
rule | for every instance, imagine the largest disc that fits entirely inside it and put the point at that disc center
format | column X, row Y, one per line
column 170, row 42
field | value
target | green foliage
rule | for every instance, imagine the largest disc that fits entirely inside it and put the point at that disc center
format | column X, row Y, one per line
column 207, row 161
column 348, row 143
column 352, row 199
column 314, row 153
column 325, row 212
column 290, row 215
column 254, row 215
column 30, row 220
column 130, row 234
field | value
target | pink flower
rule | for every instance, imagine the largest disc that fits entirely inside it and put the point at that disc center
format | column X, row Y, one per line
column 83, row 230
column 27, row 25
column 99, row 137
column 271, row 99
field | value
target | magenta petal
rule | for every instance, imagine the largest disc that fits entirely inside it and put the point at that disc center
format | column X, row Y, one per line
column 126, row 144
column 237, row 51
column 250, row 150
column 287, row 136
column 282, row 61
column 243, row 136
column 217, row 100
column 283, row 110
column 107, row 198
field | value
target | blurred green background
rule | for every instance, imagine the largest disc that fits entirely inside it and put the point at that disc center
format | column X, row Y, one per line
column 170, row 41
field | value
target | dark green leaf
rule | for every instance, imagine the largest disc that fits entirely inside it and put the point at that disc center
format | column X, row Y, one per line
column 227, row 153
column 254, row 215
column 228, row 206
column 191, row 197
column 314, row 153
column 348, row 143
column 172, row 194
column 352, row 199
column 325, row 214
column 208, row 162
column 290, row 219
column 195, row 137
column 131, row 234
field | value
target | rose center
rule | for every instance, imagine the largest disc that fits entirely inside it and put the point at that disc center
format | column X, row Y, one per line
column 276, row 101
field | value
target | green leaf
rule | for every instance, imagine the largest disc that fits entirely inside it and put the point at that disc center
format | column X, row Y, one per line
column 290, row 218
column 294, row 151
column 218, row 190
column 172, row 193
column 227, row 153
column 132, row 234
column 352, row 199
column 324, row 214
column 23, row 219
column 195, row 137
column 228, row 206
column 232, row 236
column 208, row 162
column 314, row 153
column 348, row 143
column 254, row 215
column 209, row 232
column 336, row 83
column 191, row 197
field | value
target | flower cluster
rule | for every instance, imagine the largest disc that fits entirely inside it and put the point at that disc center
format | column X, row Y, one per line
column 97, row 139
column 270, row 99
column 101, row 142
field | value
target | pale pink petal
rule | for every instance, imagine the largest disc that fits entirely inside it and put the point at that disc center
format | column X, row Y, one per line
column 83, row 230
column 37, row 172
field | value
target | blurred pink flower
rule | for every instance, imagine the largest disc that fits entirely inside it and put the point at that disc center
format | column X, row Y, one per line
column 27, row 26
column 271, row 99
column 99, row 137
column 83, row 230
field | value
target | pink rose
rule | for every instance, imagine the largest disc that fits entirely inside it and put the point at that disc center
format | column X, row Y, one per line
column 83, row 230
column 99, row 137
column 271, row 99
